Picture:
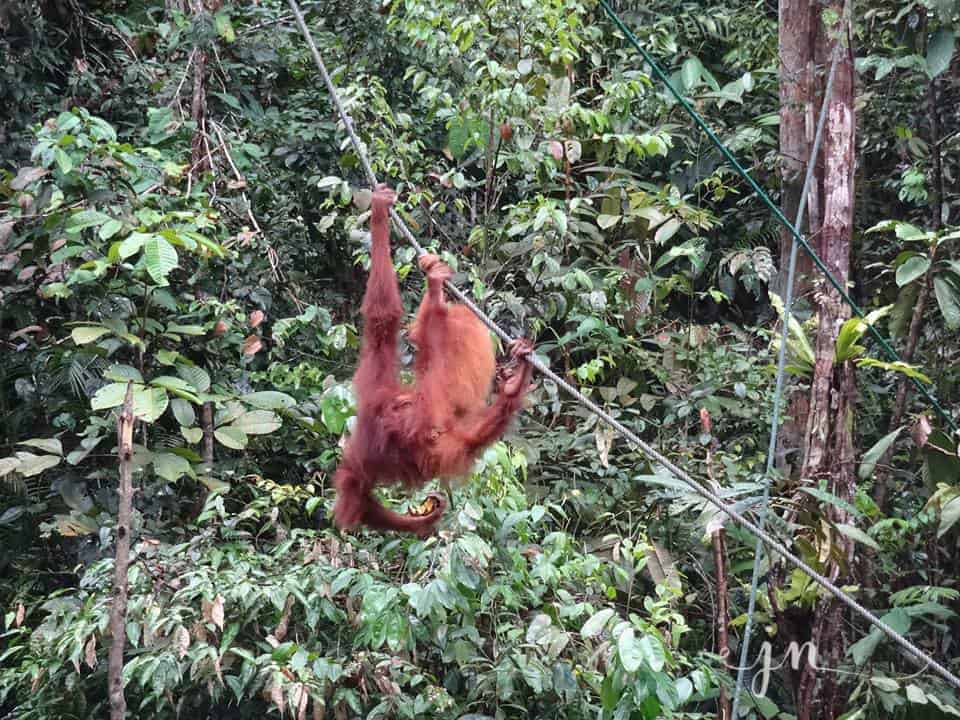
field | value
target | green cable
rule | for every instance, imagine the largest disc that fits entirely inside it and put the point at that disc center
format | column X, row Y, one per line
column 774, row 209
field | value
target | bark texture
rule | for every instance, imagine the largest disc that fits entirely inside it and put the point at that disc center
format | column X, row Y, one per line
column 118, row 611
column 828, row 442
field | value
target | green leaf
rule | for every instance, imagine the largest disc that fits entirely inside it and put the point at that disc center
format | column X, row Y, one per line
column 855, row 533
column 192, row 435
column 862, row 650
column 828, row 498
column 899, row 366
column 872, row 456
column 109, row 229
column 667, row 231
column 183, row 411
column 170, row 467
column 196, row 376
column 652, row 652
column 906, row 231
column 257, row 422
column 231, row 437
column 631, row 655
column 690, row 73
column 885, row 684
column 457, row 137
column 940, row 51
column 912, row 269
column 949, row 514
column 596, row 623
column 63, row 160
column 195, row 330
column 122, row 373
column 172, row 383
column 84, row 219
column 948, row 300
column 149, row 403
column 109, row 396
column 87, row 445
column 607, row 221
column 916, row 695
column 160, row 257
column 853, row 330
column 328, row 182
column 221, row 21
column 86, row 334
column 132, row 244
column 269, row 400
column 29, row 464
column 48, row 445
column 8, row 465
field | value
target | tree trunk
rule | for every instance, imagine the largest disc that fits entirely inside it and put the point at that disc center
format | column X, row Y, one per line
column 797, row 120
column 118, row 611
column 797, row 128
column 718, row 540
column 828, row 443
column 722, row 620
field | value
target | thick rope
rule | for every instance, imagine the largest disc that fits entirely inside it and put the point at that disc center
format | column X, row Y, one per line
column 781, row 376
column 774, row 210
column 646, row 449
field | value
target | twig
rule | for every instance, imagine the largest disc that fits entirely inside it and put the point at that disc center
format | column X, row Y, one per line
column 186, row 72
column 271, row 252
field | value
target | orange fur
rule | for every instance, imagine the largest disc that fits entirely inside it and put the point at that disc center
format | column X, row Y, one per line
column 435, row 427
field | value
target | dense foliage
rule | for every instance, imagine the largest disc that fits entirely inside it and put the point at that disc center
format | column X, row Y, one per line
column 180, row 210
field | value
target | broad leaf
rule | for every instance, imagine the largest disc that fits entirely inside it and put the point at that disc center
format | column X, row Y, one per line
column 160, row 258
column 855, row 533
column 948, row 300
column 132, row 244
column 949, row 514
column 84, row 219
column 690, row 72
column 862, row 650
column 899, row 366
column 172, row 383
column 170, row 467
column 873, row 455
column 629, row 650
column 109, row 229
column 86, row 334
column 196, row 376
column 912, row 269
column 596, row 623
column 607, row 221
column 149, row 403
column 652, row 652
column 109, row 396
column 183, row 411
column 49, row 445
column 940, row 51
column 30, row 464
column 122, row 373
column 269, row 400
column 192, row 435
column 258, row 422
column 231, row 437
